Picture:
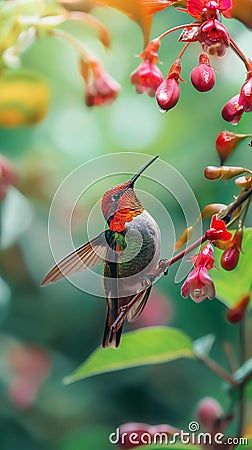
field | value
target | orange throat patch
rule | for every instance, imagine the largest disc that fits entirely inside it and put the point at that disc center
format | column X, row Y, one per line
column 122, row 216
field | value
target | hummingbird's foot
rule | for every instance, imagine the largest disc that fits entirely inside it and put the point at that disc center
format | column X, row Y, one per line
column 162, row 265
column 147, row 280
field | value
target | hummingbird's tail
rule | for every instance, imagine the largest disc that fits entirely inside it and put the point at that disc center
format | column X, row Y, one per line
column 110, row 338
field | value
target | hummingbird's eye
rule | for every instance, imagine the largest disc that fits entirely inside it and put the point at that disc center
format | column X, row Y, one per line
column 115, row 197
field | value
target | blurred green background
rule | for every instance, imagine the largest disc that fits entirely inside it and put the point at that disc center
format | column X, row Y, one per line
column 60, row 325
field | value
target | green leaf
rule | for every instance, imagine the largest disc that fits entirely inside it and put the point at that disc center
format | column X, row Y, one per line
column 203, row 345
column 230, row 286
column 152, row 345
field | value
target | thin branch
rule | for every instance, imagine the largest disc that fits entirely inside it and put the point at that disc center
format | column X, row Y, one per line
column 238, row 202
column 241, row 55
column 218, row 370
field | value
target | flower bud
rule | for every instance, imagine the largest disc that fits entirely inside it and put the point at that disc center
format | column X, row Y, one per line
column 224, row 172
column 211, row 209
column 226, row 143
column 203, row 76
column 212, row 172
column 236, row 314
column 168, row 94
column 233, row 111
column 208, row 412
column 245, row 98
column 230, row 257
column 244, row 182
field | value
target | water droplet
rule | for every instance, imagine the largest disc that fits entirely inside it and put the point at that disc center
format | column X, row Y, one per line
column 162, row 110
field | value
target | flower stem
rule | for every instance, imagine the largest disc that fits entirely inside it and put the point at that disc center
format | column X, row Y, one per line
column 239, row 52
column 179, row 27
column 84, row 53
column 218, row 370
column 183, row 50
column 238, row 202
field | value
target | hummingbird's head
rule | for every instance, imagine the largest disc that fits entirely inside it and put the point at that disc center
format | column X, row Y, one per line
column 120, row 203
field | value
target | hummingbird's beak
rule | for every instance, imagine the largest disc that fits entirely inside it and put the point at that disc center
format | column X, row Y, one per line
column 137, row 175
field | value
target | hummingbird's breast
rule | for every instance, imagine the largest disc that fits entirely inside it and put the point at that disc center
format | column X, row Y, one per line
column 142, row 250
column 139, row 258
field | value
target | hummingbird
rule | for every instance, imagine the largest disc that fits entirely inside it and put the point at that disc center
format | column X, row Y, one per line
column 129, row 250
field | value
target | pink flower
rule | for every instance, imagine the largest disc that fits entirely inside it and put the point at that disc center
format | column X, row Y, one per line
column 102, row 89
column 146, row 78
column 198, row 285
column 205, row 257
column 214, row 37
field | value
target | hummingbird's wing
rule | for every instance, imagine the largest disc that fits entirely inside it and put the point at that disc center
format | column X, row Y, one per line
column 88, row 255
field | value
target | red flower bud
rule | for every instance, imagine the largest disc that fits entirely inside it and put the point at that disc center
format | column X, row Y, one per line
column 168, row 92
column 233, row 111
column 245, row 98
column 230, row 257
column 208, row 412
column 226, row 143
column 203, row 76
column 236, row 314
